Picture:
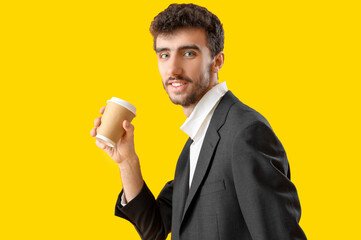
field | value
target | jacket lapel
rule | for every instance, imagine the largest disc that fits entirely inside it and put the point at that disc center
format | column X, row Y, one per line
column 181, row 184
column 210, row 142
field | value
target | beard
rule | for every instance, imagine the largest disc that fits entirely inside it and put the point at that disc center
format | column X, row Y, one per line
column 195, row 91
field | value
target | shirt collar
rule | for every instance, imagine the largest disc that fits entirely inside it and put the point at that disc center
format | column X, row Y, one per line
column 202, row 109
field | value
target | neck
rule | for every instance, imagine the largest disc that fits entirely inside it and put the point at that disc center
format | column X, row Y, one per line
column 189, row 109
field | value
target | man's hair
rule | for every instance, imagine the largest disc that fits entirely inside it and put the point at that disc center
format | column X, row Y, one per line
column 178, row 16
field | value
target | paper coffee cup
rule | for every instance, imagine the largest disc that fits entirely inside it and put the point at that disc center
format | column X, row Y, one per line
column 111, row 128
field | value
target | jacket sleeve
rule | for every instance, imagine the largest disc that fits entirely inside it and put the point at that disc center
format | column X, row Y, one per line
column 266, row 196
column 151, row 218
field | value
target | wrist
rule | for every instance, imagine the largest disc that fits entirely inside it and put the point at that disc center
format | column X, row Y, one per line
column 129, row 162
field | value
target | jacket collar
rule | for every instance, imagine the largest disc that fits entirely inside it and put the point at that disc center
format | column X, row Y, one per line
column 205, row 157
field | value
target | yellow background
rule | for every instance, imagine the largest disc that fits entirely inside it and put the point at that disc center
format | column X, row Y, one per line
column 296, row 62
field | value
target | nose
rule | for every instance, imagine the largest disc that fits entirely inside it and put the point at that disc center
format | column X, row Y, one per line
column 174, row 66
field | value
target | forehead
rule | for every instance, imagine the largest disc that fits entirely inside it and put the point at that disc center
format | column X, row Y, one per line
column 183, row 37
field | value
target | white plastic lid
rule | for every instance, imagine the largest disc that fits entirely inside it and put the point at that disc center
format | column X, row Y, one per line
column 125, row 104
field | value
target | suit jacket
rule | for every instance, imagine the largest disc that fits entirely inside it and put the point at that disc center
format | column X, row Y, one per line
column 241, row 187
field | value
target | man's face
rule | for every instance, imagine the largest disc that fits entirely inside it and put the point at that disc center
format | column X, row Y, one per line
column 184, row 62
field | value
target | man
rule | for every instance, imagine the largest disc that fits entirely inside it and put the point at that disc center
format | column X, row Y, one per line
column 232, row 179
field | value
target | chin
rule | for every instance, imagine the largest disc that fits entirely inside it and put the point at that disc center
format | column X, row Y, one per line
column 177, row 101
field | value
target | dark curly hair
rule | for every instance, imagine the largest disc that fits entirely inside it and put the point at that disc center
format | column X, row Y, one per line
column 178, row 16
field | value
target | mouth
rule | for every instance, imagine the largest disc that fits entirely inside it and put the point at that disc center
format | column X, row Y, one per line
column 177, row 85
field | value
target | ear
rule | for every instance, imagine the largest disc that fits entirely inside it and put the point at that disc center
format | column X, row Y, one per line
column 217, row 62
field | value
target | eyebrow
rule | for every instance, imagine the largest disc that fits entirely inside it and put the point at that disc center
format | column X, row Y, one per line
column 195, row 47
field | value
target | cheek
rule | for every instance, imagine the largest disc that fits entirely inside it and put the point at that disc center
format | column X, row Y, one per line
column 163, row 66
column 159, row 67
column 161, row 70
column 193, row 68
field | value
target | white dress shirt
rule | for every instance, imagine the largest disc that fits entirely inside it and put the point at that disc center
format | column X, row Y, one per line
column 197, row 123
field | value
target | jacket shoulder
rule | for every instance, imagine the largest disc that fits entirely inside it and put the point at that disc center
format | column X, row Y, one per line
column 242, row 115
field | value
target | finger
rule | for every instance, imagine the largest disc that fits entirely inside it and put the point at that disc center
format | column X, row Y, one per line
column 93, row 132
column 100, row 144
column 129, row 128
column 97, row 121
column 102, row 109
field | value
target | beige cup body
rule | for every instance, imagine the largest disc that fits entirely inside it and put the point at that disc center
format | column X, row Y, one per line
column 112, row 123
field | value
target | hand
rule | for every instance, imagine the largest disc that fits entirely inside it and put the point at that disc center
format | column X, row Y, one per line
column 124, row 148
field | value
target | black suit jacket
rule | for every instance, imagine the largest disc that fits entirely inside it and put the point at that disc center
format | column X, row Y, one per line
column 241, row 187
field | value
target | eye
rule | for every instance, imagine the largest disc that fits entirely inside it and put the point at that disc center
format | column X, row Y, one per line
column 189, row 54
column 163, row 55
